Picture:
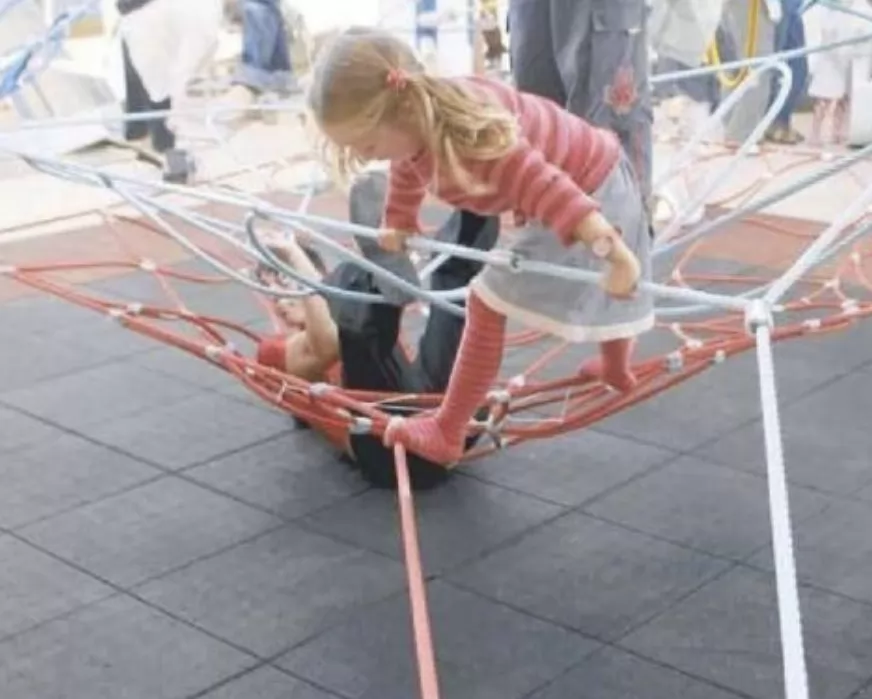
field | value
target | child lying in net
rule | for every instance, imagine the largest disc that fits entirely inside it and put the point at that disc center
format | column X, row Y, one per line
column 356, row 344
column 481, row 146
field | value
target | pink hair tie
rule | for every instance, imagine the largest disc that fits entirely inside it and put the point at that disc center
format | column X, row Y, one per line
column 397, row 79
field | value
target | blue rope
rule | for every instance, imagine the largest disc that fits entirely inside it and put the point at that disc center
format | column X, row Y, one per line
column 21, row 67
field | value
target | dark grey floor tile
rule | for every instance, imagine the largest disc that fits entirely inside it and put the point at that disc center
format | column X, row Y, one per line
column 29, row 359
column 41, row 314
column 192, row 431
column 592, row 576
column 267, row 683
column 569, row 470
column 18, row 430
column 148, row 531
column 62, row 473
column 274, row 592
column 34, row 587
column 97, row 395
column 613, row 674
column 115, row 648
column 456, row 521
column 719, row 400
column 711, row 508
column 833, row 550
column 292, row 475
column 185, row 367
column 485, row 651
column 728, row 633
column 825, row 434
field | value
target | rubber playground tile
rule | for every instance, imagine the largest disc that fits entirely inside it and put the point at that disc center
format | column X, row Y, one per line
column 97, row 395
column 276, row 591
column 291, row 475
column 825, row 436
column 116, row 648
column 571, row 469
column 707, row 507
column 594, row 577
column 19, row 430
column 614, row 674
column 728, row 633
column 833, row 550
column 485, row 650
column 34, row 587
column 148, row 531
column 190, row 432
column 267, row 683
column 456, row 522
column 62, row 473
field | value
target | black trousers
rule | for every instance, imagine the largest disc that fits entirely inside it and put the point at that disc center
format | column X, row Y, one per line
column 372, row 359
column 138, row 102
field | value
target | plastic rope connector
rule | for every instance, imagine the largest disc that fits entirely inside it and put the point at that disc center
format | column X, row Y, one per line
column 719, row 357
column 316, row 390
column 8, row 269
column 674, row 362
column 148, row 265
column 812, row 324
column 758, row 314
column 360, row 425
column 213, row 352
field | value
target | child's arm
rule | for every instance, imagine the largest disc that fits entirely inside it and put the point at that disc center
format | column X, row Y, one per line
column 321, row 331
column 542, row 192
column 405, row 195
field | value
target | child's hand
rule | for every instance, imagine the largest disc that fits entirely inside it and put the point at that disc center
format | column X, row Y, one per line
column 622, row 276
column 393, row 240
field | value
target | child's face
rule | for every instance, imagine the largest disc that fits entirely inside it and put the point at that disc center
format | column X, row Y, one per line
column 384, row 142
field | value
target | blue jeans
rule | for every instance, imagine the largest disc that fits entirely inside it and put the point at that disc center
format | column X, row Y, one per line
column 790, row 35
column 266, row 61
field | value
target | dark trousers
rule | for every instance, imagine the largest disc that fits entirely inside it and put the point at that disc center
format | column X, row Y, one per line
column 139, row 102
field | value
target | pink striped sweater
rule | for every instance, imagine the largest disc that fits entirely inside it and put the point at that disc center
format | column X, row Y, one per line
column 559, row 159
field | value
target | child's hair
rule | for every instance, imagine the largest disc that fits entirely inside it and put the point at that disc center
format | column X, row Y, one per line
column 367, row 77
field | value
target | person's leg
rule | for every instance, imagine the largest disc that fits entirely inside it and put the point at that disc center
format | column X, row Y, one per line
column 265, row 63
column 441, row 437
column 790, row 35
column 534, row 68
column 439, row 343
column 602, row 53
column 138, row 101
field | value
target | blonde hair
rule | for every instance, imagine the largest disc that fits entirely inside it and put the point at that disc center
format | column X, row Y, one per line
column 367, row 77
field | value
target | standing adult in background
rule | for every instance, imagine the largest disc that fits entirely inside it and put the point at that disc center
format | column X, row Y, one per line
column 137, row 99
column 789, row 36
column 590, row 56
column 266, row 60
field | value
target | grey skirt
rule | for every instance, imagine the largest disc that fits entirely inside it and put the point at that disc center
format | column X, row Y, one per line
column 572, row 310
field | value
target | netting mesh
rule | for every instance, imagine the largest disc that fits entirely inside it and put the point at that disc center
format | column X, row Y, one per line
column 540, row 393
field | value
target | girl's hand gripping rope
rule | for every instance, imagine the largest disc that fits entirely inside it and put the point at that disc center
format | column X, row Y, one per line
column 622, row 276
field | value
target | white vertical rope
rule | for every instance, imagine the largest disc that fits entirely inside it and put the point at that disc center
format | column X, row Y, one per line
column 789, row 610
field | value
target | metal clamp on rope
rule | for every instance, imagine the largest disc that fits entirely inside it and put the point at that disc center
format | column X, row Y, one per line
column 758, row 314
column 510, row 259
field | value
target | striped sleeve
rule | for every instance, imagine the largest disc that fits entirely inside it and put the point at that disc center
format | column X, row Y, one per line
column 406, row 192
column 539, row 190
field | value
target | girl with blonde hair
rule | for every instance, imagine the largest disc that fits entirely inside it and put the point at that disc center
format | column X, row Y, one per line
column 481, row 146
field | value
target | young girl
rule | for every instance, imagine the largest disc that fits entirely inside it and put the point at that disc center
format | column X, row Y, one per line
column 481, row 146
